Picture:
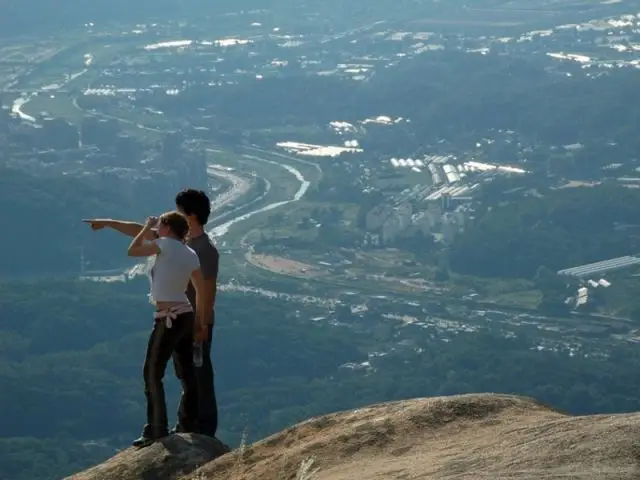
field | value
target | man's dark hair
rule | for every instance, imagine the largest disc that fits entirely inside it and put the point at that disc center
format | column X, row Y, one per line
column 194, row 202
column 176, row 222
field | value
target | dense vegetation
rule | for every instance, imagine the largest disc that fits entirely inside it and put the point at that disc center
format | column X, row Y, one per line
column 71, row 353
column 42, row 228
column 560, row 229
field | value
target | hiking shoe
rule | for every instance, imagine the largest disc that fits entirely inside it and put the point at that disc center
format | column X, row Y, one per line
column 149, row 436
column 142, row 441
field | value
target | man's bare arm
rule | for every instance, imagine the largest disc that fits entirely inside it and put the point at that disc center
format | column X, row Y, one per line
column 201, row 320
column 208, row 298
column 130, row 229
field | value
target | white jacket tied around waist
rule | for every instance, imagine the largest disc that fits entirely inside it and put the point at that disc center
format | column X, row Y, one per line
column 171, row 313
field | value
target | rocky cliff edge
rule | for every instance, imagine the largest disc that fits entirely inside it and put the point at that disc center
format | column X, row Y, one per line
column 470, row 437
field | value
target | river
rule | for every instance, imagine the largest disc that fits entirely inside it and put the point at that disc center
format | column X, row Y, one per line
column 221, row 230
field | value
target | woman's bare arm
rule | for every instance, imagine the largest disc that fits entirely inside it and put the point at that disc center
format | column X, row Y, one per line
column 138, row 248
column 130, row 229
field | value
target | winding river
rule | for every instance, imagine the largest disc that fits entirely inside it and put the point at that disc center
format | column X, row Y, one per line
column 221, row 230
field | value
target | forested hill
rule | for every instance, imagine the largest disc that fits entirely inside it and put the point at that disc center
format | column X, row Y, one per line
column 74, row 350
column 42, row 226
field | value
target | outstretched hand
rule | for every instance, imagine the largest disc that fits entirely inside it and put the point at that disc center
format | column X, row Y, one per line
column 96, row 224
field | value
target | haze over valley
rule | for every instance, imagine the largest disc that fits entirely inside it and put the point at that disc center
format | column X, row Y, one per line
column 410, row 199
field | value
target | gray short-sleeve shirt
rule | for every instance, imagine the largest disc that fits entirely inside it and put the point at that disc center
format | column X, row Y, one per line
column 209, row 261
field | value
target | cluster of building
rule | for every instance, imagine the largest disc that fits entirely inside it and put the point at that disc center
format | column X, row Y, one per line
column 583, row 293
column 440, row 206
column 387, row 222
column 584, row 275
column 453, row 181
column 598, row 268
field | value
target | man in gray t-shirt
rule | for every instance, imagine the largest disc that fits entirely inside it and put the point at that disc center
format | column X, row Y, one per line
column 209, row 259
column 196, row 206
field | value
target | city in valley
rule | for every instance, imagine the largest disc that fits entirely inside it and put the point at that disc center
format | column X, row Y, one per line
column 341, row 195
column 427, row 172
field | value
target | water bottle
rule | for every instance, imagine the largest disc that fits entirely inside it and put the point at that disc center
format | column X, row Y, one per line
column 197, row 354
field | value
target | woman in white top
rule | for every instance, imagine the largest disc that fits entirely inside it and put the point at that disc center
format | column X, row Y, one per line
column 174, row 326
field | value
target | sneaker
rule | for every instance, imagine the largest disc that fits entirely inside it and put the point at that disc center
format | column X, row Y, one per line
column 142, row 441
column 149, row 436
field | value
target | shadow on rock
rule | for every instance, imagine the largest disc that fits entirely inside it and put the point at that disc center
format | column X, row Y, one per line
column 168, row 459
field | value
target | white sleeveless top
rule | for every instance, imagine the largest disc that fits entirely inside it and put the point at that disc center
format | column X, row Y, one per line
column 172, row 271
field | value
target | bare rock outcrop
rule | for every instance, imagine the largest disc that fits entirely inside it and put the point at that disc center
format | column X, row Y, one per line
column 171, row 458
column 464, row 437
column 470, row 437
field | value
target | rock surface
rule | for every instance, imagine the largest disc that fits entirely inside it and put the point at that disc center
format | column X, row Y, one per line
column 470, row 437
column 171, row 458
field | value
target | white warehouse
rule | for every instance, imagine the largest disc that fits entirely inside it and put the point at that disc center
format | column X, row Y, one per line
column 600, row 267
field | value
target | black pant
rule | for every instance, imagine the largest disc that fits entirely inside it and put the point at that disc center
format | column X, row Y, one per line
column 207, row 405
column 163, row 343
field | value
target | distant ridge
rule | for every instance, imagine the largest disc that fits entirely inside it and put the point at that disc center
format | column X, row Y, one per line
column 21, row 17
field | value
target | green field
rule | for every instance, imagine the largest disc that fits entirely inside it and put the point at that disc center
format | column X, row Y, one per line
column 55, row 105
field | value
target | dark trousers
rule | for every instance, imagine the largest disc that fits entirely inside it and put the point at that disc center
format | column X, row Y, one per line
column 207, row 405
column 164, row 343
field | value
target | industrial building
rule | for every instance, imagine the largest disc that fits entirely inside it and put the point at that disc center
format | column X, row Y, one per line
column 604, row 266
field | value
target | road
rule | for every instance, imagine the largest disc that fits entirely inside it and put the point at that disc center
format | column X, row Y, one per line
column 20, row 102
column 239, row 187
column 93, row 113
